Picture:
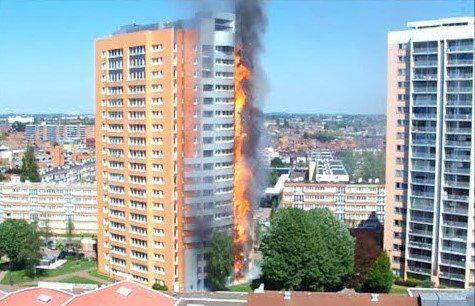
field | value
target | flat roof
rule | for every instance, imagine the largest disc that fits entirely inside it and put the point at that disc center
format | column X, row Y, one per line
column 125, row 293
column 36, row 297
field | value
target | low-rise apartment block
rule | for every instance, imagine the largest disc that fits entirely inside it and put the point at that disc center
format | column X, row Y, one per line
column 55, row 132
column 358, row 205
column 50, row 205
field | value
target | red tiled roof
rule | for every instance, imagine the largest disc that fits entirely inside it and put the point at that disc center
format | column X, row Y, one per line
column 134, row 294
column 32, row 296
column 274, row 298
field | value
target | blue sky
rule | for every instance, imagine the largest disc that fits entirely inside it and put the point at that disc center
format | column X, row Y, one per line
column 320, row 57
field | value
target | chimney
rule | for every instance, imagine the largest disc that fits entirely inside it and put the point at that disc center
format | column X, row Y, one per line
column 374, row 297
column 286, row 295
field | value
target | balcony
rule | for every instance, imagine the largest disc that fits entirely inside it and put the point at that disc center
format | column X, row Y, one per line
column 419, row 245
column 425, row 102
column 453, row 276
column 458, row 144
column 458, row 157
column 461, row 89
column 460, row 62
column 458, row 116
column 425, row 77
column 425, row 63
column 457, row 170
column 425, row 89
column 424, row 116
column 455, row 130
column 457, row 184
column 420, row 232
column 419, row 257
column 449, row 223
column 455, row 197
column 423, row 168
column 453, row 101
column 424, row 50
column 460, row 48
column 452, row 263
column 418, row 270
column 423, row 194
column 455, row 210
column 422, row 219
column 455, row 250
column 425, row 142
column 423, row 155
column 459, row 76
column 415, row 206
column 424, row 129
column 423, row 181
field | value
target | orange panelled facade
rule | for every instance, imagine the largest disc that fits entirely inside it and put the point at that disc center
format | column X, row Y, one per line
column 144, row 100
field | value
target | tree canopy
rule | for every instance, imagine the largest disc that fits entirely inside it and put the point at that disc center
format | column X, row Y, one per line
column 306, row 250
column 220, row 261
column 20, row 242
column 380, row 278
column 277, row 162
column 29, row 168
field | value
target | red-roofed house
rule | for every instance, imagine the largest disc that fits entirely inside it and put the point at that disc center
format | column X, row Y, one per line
column 35, row 297
column 125, row 293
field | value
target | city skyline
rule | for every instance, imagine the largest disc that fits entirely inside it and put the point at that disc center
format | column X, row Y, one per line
column 78, row 24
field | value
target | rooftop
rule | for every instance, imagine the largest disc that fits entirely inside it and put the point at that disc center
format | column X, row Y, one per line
column 294, row 298
column 36, row 297
column 125, row 293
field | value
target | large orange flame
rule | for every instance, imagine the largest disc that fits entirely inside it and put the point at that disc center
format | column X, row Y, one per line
column 242, row 173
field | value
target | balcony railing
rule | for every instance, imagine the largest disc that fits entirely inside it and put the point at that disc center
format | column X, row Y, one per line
column 424, row 50
column 423, row 168
column 429, row 89
column 418, row 270
column 460, row 61
column 425, row 77
column 425, row 63
column 458, row 157
column 456, row 197
column 454, row 263
column 422, row 219
column 425, row 102
column 424, row 129
column 451, row 249
column 457, row 184
column 424, row 116
column 459, row 102
column 422, row 207
column 454, row 130
column 455, row 210
column 420, row 257
column 420, row 232
column 417, row 244
column 423, row 155
column 460, row 48
column 459, row 89
column 457, row 170
column 460, row 76
column 455, row 224
column 453, row 143
column 455, row 276
column 423, row 181
column 458, row 116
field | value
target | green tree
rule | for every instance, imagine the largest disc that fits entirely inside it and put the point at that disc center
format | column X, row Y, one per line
column 20, row 242
column 273, row 177
column 380, row 278
column 159, row 287
column 306, row 250
column 220, row 262
column 18, row 126
column 277, row 162
column 69, row 230
column 29, row 168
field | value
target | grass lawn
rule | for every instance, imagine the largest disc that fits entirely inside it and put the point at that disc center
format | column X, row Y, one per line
column 96, row 273
column 240, row 288
column 69, row 266
column 396, row 289
column 79, row 280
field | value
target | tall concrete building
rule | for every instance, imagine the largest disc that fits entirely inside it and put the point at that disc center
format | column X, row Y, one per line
column 164, row 99
column 429, row 223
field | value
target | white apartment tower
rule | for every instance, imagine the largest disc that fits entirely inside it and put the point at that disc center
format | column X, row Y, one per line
column 430, row 165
